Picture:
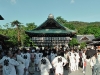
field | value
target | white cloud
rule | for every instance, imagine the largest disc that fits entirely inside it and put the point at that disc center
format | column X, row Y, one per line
column 13, row 1
column 72, row 1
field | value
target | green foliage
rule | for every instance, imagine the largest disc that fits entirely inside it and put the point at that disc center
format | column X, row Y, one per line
column 93, row 29
column 15, row 23
column 61, row 20
column 73, row 42
column 82, row 45
column 11, row 32
column 81, row 27
column 65, row 23
column 30, row 26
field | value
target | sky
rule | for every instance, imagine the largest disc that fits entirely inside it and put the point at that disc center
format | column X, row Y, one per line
column 37, row 11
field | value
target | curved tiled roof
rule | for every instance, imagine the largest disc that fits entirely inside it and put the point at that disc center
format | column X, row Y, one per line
column 51, row 26
column 1, row 18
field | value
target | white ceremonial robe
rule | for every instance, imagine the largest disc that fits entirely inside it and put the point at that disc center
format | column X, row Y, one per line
column 20, row 68
column 66, row 56
column 10, row 69
column 44, row 69
column 83, row 58
column 72, row 62
column 77, row 61
column 98, row 58
column 92, row 61
column 88, row 70
column 27, row 61
column 59, row 66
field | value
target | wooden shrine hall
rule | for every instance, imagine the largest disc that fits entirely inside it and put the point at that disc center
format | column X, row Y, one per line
column 50, row 33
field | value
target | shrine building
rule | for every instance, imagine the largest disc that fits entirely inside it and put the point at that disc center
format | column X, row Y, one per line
column 51, row 33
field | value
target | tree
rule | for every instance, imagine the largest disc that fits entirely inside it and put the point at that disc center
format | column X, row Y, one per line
column 65, row 23
column 82, row 45
column 6, row 25
column 30, row 26
column 17, row 24
column 61, row 20
column 92, row 29
column 73, row 42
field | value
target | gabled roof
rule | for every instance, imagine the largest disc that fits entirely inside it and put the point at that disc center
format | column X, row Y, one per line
column 50, row 26
column 50, row 23
column 1, row 18
column 85, row 38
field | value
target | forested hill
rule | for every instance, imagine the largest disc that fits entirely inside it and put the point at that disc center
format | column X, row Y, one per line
column 79, row 23
column 81, row 27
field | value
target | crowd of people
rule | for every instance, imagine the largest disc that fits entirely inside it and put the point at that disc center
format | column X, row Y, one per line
column 27, row 61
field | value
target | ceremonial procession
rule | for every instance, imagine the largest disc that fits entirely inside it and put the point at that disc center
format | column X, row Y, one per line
column 49, row 61
column 49, row 37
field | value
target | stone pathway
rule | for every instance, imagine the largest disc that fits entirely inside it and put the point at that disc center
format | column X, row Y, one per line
column 66, row 72
column 79, row 72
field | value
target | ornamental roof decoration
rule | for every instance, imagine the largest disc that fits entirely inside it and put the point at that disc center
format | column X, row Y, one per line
column 50, row 16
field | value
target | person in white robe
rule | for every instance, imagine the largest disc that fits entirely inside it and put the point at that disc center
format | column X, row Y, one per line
column 66, row 56
column 15, row 58
column 83, row 60
column 21, row 61
column 94, row 64
column 72, row 61
column 76, row 60
column 44, row 65
column 8, row 64
column 58, row 65
column 98, row 56
column 26, row 57
column 88, row 70
column 37, row 60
